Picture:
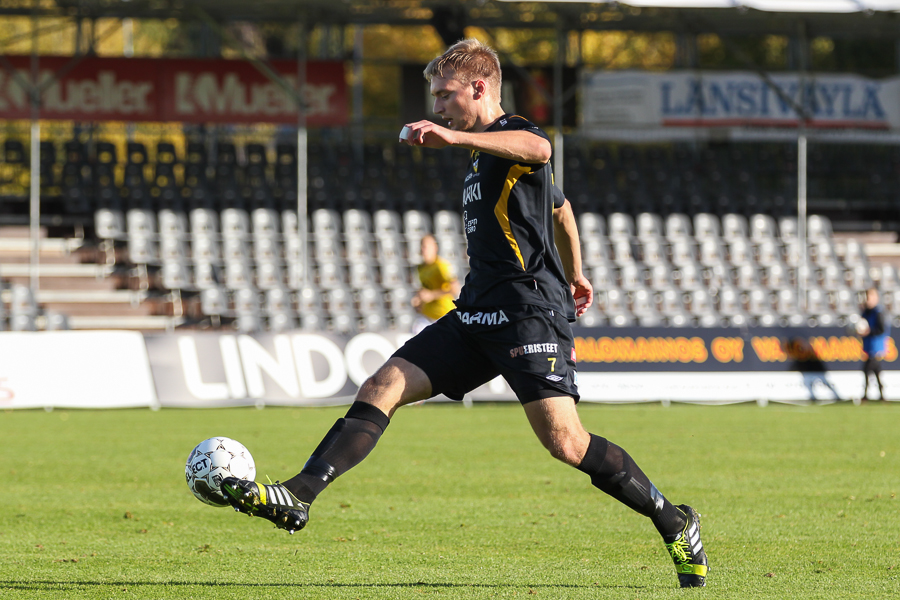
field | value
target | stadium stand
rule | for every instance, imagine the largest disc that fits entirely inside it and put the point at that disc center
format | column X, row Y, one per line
column 672, row 235
column 78, row 288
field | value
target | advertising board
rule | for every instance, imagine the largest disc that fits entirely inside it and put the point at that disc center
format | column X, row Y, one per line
column 181, row 90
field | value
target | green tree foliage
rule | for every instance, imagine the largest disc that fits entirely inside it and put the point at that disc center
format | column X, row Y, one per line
column 59, row 36
column 628, row 50
column 768, row 52
column 875, row 58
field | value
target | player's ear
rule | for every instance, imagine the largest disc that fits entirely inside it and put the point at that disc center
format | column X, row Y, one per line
column 479, row 89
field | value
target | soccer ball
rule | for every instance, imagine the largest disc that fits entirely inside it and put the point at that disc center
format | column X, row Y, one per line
column 212, row 461
column 862, row 327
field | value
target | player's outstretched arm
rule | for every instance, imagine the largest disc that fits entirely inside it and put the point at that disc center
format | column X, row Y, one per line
column 565, row 232
column 520, row 146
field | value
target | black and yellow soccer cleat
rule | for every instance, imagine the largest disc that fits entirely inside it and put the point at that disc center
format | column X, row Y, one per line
column 273, row 502
column 687, row 552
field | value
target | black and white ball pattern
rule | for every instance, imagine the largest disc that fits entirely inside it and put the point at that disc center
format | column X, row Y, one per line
column 212, row 461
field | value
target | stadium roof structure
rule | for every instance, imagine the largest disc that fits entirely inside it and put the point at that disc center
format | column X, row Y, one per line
column 791, row 6
column 832, row 18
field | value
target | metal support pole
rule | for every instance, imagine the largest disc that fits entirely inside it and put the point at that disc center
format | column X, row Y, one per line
column 128, row 38
column 358, row 122
column 802, row 56
column 35, row 207
column 35, row 191
column 302, row 200
column 302, row 157
column 128, row 52
column 79, row 35
column 558, row 141
column 801, row 217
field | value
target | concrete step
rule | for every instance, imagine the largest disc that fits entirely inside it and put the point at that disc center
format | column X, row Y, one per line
column 145, row 309
column 129, row 297
column 47, row 247
column 72, row 283
column 140, row 323
column 54, row 259
column 881, row 249
column 57, row 270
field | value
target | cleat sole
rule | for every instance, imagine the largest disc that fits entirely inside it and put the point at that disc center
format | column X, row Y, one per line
column 249, row 503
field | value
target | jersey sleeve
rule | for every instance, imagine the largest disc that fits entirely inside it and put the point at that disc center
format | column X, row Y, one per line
column 517, row 123
column 558, row 197
column 446, row 273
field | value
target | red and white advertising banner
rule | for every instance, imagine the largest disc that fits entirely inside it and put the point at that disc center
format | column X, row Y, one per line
column 181, row 90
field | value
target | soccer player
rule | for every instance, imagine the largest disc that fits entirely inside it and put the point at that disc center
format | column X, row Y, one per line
column 874, row 339
column 512, row 318
column 439, row 285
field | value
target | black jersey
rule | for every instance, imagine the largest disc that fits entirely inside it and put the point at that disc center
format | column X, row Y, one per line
column 508, row 218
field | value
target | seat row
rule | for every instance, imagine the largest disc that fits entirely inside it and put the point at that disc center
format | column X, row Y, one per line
column 23, row 311
column 356, row 269
column 263, row 249
column 690, row 276
column 727, row 307
column 339, row 310
column 661, row 178
column 677, row 226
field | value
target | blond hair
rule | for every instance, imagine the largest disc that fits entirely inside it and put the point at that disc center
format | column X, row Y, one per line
column 467, row 61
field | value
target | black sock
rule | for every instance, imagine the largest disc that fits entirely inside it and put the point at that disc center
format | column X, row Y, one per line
column 613, row 471
column 347, row 443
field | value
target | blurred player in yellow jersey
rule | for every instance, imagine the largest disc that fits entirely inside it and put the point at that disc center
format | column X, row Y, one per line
column 440, row 286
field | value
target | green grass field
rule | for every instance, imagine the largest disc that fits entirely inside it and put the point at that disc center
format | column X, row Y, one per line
column 797, row 502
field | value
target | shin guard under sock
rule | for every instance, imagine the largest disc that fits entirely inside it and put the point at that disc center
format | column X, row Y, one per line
column 345, row 445
column 613, row 471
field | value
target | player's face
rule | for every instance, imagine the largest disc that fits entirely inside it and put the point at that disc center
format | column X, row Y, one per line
column 454, row 102
column 429, row 250
column 871, row 298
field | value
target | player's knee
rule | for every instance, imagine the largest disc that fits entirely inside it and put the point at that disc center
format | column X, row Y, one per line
column 393, row 385
column 566, row 449
column 385, row 382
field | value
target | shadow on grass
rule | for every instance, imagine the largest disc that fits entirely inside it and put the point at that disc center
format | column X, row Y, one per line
column 71, row 585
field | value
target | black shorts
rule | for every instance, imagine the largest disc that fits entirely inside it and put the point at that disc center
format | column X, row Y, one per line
column 531, row 347
column 872, row 364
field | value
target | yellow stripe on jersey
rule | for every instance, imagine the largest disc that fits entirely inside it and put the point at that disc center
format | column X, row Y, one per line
column 501, row 210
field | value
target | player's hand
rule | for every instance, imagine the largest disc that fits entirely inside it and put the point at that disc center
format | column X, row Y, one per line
column 429, row 135
column 583, row 293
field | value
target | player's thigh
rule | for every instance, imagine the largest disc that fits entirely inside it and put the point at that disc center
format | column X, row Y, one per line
column 557, row 425
column 451, row 359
